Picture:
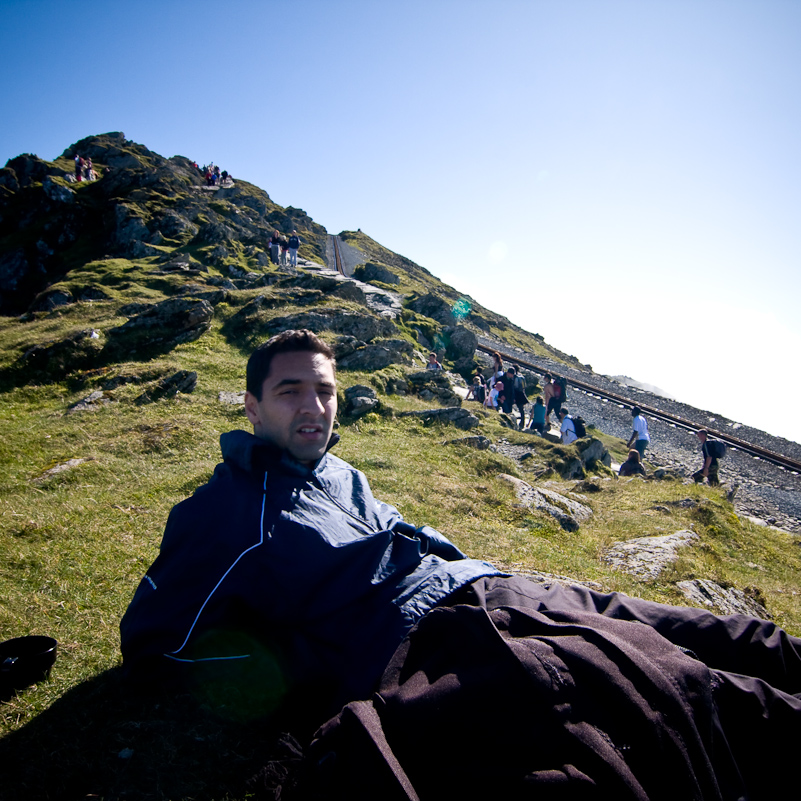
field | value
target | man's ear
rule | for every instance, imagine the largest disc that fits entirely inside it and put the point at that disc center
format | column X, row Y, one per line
column 252, row 408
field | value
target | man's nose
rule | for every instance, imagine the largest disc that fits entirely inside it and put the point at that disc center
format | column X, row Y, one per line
column 311, row 402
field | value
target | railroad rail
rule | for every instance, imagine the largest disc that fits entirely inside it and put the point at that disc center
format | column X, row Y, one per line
column 735, row 442
column 338, row 256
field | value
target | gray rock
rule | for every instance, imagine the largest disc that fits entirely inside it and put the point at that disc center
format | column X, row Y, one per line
column 647, row 557
column 56, row 192
column 231, row 398
column 183, row 381
column 52, row 299
column 377, row 355
column 163, row 325
column 91, row 402
column 592, row 450
column 567, row 512
column 479, row 443
column 362, row 326
column 53, row 360
column 375, row 272
column 434, row 307
column 461, row 343
column 454, row 415
column 359, row 400
column 723, row 601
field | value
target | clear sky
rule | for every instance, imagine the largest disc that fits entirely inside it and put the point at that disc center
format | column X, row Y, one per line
column 620, row 176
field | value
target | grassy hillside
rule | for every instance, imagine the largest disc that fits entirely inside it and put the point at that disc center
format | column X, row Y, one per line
column 85, row 494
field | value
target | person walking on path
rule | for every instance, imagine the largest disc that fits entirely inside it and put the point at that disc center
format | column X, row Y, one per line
column 294, row 244
column 639, row 435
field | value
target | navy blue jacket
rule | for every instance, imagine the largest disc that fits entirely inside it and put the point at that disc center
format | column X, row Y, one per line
column 297, row 576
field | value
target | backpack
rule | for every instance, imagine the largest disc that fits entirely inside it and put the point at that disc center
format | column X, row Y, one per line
column 580, row 426
column 715, row 448
column 561, row 383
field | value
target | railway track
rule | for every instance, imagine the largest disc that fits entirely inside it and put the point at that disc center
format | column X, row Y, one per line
column 337, row 255
column 734, row 442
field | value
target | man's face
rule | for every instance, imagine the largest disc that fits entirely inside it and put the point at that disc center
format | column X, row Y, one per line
column 298, row 405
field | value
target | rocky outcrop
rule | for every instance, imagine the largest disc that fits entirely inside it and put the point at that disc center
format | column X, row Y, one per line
column 375, row 355
column 375, row 272
column 724, row 600
column 647, row 557
column 52, row 361
column 183, row 381
column 567, row 512
column 434, row 307
column 436, row 385
column 454, row 415
column 359, row 400
column 162, row 326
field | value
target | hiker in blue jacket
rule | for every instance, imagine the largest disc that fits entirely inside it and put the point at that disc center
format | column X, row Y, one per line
column 284, row 578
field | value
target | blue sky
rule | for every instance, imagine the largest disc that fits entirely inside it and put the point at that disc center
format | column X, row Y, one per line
column 621, row 177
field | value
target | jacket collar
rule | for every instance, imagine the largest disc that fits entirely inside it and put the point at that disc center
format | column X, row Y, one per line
column 253, row 454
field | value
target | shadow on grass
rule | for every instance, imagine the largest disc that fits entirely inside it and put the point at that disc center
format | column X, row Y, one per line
column 104, row 740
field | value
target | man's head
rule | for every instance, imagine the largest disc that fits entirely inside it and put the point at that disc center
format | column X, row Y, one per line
column 291, row 396
column 703, row 435
column 562, row 413
column 636, row 411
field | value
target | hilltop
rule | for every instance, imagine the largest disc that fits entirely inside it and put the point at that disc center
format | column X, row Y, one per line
column 129, row 306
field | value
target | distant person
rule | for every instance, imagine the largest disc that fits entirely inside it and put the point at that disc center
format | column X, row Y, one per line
column 639, row 436
column 547, row 397
column 712, row 451
column 498, row 370
column 78, row 168
column 275, row 247
column 224, row 176
column 520, row 397
column 477, row 389
column 88, row 172
column 494, row 396
column 508, row 389
column 632, row 466
column 433, row 362
column 537, row 421
column 284, row 248
column 568, row 429
column 294, row 244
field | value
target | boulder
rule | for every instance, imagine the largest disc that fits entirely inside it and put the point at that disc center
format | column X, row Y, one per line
column 362, row 326
column 91, row 403
column 434, row 307
column 52, row 299
column 724, row 600
column 436, row 385
column 592, row 450
column 359, row 400
column 478, row 442
column 182, row 381
column 54, row 360
column 646, row 557
column 377, row 355
column 162, row 326
column 453, row 415
column 567, row 512
column 461, row 343
column 375, row 272
column 56, row 192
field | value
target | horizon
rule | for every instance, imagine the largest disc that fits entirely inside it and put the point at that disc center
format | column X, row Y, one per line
column 621, row 178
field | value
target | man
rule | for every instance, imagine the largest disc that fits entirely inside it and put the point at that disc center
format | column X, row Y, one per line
column 294, row 244
column 568, row 429
column 433, row 362
column 639, row 435
column 508, row 389
column 710, row 450
column 286, row 578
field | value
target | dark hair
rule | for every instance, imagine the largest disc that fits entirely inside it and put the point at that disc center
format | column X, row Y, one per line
column 634, row 456
column 291, row 341
column 635, row 411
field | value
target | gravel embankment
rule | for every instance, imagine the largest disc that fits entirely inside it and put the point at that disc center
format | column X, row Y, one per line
column 766, row 491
